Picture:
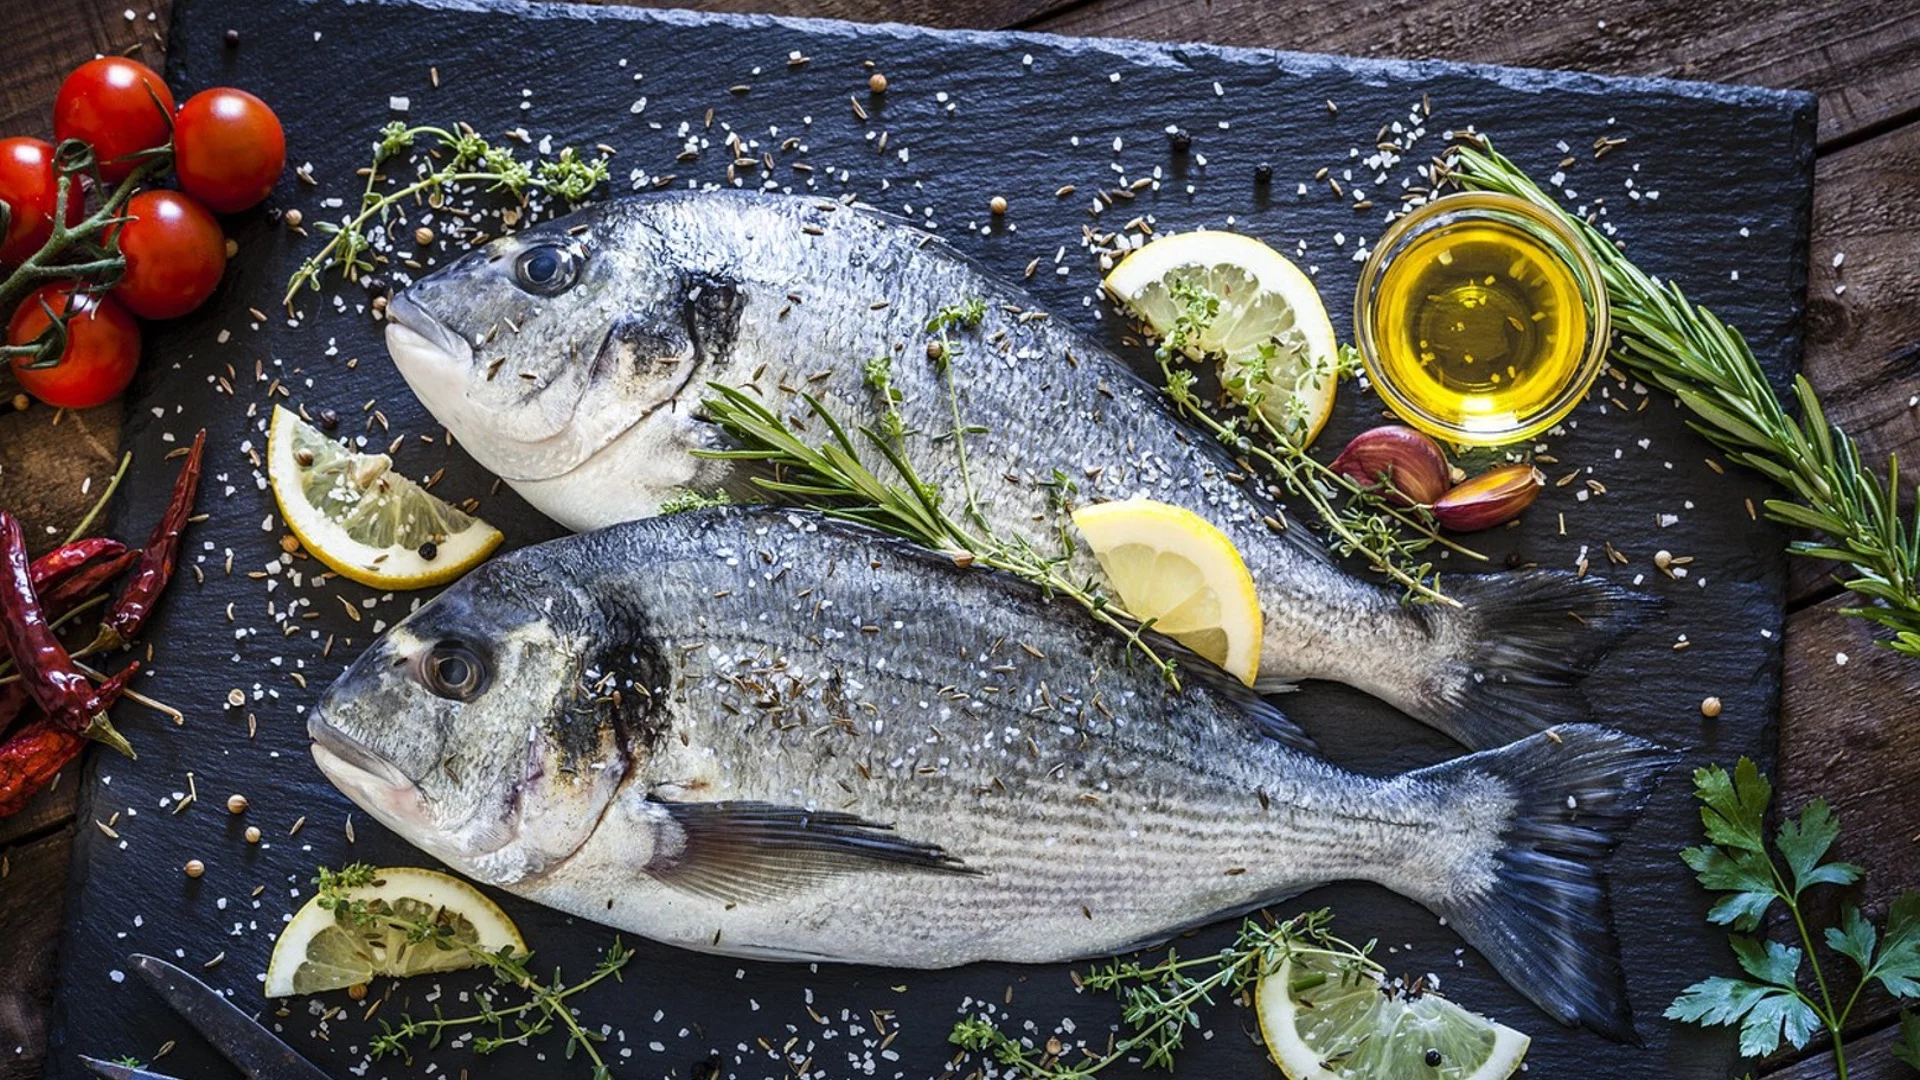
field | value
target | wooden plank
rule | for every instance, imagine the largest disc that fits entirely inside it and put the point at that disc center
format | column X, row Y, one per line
column 1869, row 1057
column 1863, row 59
column 1863, row 315
column 32, row 895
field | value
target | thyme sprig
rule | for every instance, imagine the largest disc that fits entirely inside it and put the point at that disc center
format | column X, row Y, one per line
column 1390, row 539
column 1161, row 1002
column 462, row 157
column 549, row 1001
column 831, row 476
column 1688, row 352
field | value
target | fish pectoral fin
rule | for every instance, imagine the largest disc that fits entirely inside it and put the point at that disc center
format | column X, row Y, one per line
column 710, row 313
column 1266, row 717
column 743, row 852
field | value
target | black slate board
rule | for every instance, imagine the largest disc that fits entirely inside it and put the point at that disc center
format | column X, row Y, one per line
column 1732, row 169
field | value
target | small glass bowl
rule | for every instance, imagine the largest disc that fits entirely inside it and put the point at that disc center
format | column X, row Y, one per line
column 1557, row 241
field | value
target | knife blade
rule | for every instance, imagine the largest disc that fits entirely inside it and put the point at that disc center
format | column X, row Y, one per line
column 257, row 1051
column 113, row 1070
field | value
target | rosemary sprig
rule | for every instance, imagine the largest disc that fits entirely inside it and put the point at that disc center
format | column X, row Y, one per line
column 831, row 477
column 1688, row 352
column 1160, row 1002
column 464, row 157
column 548, row 1001
column 1389, row 538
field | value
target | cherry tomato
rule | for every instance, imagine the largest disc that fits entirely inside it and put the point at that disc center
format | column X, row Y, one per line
column 228, row 148
column 175, row 255
column 29, row 185
column 103, row 347
column 110, row 104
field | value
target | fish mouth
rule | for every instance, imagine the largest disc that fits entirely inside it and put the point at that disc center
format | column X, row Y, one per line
column 420, row 343
column 364, row 776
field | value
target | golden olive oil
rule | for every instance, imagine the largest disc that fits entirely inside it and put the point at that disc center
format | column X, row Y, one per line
column 1479, row 325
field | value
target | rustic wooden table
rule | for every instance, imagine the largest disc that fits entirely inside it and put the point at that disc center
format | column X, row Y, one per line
column 1851, row 729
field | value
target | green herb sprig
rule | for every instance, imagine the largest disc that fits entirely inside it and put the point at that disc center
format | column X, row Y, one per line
column 463, row 157
column 1160, row 1002
column 549, row 1001
column 1389, row 538
column 830, row 476
column 1770, row 1005
column 1688, row 352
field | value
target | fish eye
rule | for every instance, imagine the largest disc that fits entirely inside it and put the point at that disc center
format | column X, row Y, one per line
column 547, row 269
column 453, row 670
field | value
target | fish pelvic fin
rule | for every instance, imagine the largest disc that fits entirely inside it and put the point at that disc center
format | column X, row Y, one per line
column 1538, row 908
column 1512, row 656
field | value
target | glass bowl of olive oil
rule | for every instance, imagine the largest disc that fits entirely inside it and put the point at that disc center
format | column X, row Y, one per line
column 1481, row 318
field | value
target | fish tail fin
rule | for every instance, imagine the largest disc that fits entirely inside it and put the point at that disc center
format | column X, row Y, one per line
column 1537, row 907
column 1512, row 655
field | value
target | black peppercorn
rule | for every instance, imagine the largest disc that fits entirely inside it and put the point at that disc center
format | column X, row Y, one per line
column 374, row 284
column 1263, row 173
column 1182, row 142
column 1433, row 1059
column 329, row 419
column 233, row 39
column 428, row 550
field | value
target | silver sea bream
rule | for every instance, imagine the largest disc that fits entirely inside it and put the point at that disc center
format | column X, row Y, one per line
column 572, row 360
column 768, row 733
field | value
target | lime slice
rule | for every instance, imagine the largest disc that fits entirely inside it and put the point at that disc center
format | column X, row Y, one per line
column 1174, row 567
column 365, row 521
column 1271, row 333
column 325, row 949
column 1328, row 1020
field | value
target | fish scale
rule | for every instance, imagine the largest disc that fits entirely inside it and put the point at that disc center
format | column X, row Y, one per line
column 808, row 740
column 788, row 297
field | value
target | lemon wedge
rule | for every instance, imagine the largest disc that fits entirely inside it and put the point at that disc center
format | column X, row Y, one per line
column 1174, row 567
column 365, row 521
column 324, row 949
column 1271, row 333
column 1323, row 1020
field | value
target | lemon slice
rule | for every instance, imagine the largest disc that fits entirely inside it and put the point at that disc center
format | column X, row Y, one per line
column 362, row 519
column 325, row 949
column 1270, row 314
column 1324, row 1020
column 1172, row 566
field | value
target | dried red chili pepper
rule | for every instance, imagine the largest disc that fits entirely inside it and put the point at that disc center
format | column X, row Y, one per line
column 124, row 618
column 56, row 602
column 47, row 672
column 30, row 760
column 68, row 559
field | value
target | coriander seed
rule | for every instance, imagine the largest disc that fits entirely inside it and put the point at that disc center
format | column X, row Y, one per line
column 1710, row 707
column 423, row 236
column 194, row 868
column 998, row 205
column 236, row 697
column 21, row 403
column 293, row 218
column 236, row 804
column 1663, row 559
column 253, row 834
column 877, row 83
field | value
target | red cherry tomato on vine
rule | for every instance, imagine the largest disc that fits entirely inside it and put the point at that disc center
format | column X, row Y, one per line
column 228, row 148
column 117, row 106
column 175, row 255
column 103, row 347
column 30, row 185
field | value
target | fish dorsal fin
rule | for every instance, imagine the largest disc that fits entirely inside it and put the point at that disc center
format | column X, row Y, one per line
column 1248, row 700
column 742, row 852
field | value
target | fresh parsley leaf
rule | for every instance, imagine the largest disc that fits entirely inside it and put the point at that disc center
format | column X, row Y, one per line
column 1898, row 965
column 1736, row 806
column 1747, row 875
column 1764, row 1014
column 1803, row 842
column 1768, row 961
column 1855, row 939
column 1907, row 1049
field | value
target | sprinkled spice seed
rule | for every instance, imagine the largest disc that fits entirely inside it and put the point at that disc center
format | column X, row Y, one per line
column 236, row 804
column 877, row 83
column 998, row 205
column 1710, row 707
column 252, row 835
column 194, row 868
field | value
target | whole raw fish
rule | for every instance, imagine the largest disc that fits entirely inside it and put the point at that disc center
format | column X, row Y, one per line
column 773, row 734
column 572, row 359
